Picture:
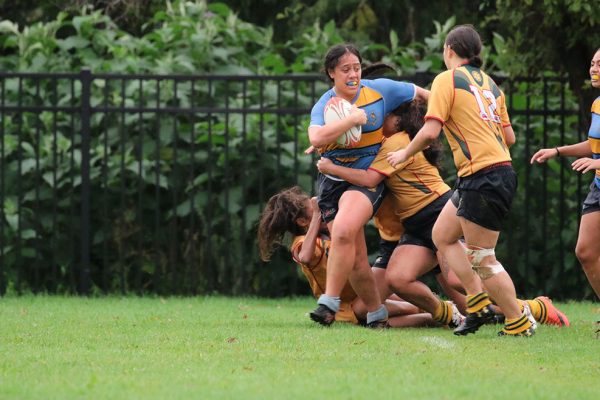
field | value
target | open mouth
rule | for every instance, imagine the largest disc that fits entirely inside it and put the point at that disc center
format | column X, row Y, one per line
column 352, row 83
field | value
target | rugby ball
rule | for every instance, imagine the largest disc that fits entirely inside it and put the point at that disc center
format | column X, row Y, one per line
column 337, row 109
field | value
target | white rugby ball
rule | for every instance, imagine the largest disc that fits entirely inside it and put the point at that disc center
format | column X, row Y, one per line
column 337, row 109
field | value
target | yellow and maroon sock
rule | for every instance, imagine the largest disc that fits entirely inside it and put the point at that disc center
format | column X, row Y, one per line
column 517, row 325
column 443, row 313
column 477, row 302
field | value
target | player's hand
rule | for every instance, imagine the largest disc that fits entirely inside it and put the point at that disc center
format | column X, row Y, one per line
column 358, row 116
column 324, row 165
column 585, row 164
column 309, row 150
column 315, row 206
column 543, row 155
column 396, row 157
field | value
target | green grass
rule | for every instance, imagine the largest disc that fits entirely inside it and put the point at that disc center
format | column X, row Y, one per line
column 224, row 348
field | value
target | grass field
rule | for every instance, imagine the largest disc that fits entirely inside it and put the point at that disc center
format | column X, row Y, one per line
column 234, row 348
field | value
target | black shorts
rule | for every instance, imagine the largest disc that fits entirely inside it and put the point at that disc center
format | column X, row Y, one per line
column 330, row 191
column 592, row 201
column 386, row 248
column 485, row 197
column 418, row 227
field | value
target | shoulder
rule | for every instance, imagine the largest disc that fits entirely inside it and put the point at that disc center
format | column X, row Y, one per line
column 397, row 141
column 384, row 84
column 445, row 78
column 596, row 106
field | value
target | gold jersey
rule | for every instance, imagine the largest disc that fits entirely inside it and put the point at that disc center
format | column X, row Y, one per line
column 413, row 184
column 473, row 111
column 316, row 274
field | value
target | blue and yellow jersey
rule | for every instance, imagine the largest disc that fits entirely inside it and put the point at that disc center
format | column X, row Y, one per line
column 473, row 110
column 594, row 135
column 378, row 98
column 413, row 184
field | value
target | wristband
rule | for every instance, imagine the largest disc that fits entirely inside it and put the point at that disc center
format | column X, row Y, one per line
column 557, row 152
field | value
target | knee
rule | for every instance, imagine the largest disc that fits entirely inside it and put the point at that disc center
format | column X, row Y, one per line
column 343, row 235
column 585, row 255
column 439, row 239
column 397, row 279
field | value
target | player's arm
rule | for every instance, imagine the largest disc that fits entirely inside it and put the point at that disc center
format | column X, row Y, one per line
column 509, row 135
column 306, row 253
column 323, row 135
column 360, row 177
column 581, row 149
column 426, row 135
column 421, row 94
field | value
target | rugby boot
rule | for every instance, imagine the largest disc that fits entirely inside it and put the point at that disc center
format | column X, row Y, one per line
column 457, row 317
column 474, row 320
column 554, row 315
column 323, row 315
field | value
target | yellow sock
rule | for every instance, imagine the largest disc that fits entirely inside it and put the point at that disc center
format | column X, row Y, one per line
column 477, row 301
column 443, row 313
column 517, row 325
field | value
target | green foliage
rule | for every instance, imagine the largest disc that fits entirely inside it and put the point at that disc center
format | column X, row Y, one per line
column 175, row 188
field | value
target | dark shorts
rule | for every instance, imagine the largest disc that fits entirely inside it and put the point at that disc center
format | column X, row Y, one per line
column 418, row 227
column 484, row 198
column 386, row 248
column 592, row 201
column 330, row 191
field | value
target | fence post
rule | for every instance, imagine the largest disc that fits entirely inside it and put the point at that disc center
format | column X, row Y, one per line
column 86, row 83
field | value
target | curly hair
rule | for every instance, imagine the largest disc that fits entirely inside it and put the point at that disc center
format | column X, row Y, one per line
column 279, row 216
column 411, row 119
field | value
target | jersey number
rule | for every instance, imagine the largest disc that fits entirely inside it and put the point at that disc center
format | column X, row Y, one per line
column 491, row 114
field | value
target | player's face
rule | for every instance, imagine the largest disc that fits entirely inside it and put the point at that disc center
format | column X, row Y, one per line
column 446, row 54
column 346, row 76
column 390, row 124
column 595, row 70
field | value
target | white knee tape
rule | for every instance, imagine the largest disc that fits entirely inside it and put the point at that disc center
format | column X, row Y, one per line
column 484, row 271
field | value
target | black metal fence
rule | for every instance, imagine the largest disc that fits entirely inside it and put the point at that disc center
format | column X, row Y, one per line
column 139, row 183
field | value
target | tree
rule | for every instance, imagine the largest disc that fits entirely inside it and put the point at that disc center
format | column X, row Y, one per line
column 549, row 36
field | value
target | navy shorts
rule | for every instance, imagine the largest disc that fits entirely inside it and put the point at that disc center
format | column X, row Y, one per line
column 592, row 201
column 330, row 191
column 485, row 197
column 418, row 227
column 386, row 248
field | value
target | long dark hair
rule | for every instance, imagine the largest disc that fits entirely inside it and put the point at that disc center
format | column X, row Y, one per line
column 411, row 119
column 278, row 217
column 466, row 43
column 332, row 58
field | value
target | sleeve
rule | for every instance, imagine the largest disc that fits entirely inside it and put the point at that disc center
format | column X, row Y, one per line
column 596, row 106
column 317, row 114
column 295, row 249
column 394, row 93
column 380, row 163
column 502, row 111
column 441, row 97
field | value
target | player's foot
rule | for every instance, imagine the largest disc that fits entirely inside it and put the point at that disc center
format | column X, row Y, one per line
column 526, row 333
column 474, row 320
column 554, row 315
column 323, row 315
column 379, row 324
column 457, row 317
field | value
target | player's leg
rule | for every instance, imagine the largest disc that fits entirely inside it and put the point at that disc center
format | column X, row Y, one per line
column 588, row 248
column 407, row 264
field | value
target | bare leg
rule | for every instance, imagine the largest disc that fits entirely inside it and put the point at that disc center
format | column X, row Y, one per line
column 384, row 292
column 408, row 262
column 588, row 248
column 500, row 286
column 446, row 234
column 354, row 212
